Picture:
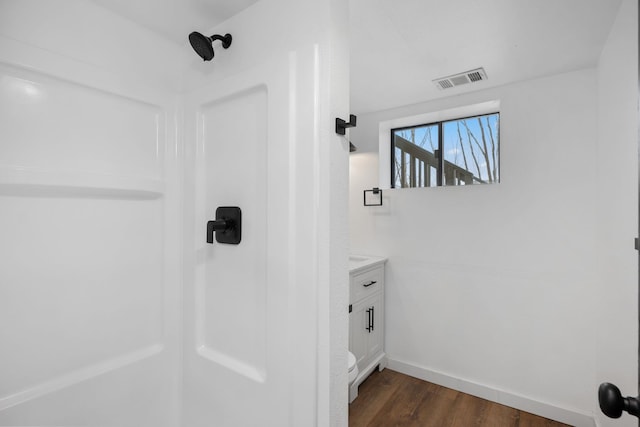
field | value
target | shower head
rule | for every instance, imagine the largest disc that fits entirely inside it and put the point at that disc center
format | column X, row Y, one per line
column 203, row 45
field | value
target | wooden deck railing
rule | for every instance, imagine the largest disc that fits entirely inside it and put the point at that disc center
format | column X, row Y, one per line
column 414, row 166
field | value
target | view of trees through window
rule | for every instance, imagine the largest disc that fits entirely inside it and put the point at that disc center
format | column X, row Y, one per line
column 455, row 152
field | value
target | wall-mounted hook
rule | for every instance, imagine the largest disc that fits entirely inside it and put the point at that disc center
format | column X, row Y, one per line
column 341, row 125
column 227, row 226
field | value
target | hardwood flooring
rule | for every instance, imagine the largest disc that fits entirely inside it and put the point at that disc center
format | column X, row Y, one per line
column 389, row 398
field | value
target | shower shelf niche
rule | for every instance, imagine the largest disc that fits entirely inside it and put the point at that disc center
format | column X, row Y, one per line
column 20, row 180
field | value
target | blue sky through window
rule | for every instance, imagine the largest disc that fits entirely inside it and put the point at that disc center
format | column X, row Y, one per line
column 470, row 147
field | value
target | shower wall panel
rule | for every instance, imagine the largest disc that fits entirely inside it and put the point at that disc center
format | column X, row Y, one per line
column 265, row 324
column 232, row 283
column 234, row 314
column 88, row 259
column 64, row 134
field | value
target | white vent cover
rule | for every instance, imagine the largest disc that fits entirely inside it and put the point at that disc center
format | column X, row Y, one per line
column 461, row 79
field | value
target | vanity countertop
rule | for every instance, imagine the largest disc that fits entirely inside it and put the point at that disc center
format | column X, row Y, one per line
column 361, row 262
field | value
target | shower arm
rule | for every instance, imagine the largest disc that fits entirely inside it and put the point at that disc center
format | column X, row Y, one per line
column 226, row 39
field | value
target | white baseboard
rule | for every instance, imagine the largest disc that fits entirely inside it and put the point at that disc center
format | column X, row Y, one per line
column 567, row 416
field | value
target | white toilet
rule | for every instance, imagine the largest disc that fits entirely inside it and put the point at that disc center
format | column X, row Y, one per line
column 353, row 367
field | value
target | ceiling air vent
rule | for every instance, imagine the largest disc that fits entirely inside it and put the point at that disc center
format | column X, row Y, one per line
column 461, row 79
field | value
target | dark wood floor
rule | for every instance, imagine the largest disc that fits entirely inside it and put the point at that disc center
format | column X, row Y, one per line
column 389, row 398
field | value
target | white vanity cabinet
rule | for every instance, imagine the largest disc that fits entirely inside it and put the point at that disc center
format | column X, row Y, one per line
column 366, row 317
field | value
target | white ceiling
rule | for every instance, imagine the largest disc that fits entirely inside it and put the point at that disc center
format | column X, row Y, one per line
column 399, row 46
column 175, row 19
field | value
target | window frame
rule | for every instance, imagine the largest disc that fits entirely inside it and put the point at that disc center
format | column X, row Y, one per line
column 438, row 151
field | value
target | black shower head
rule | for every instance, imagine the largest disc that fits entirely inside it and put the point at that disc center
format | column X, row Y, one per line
column 203, row 45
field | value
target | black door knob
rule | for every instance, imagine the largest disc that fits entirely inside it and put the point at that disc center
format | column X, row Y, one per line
column 612, row 404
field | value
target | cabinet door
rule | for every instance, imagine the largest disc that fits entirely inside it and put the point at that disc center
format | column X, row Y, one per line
column 366, row 334
column 358, row 334
column 375, row 338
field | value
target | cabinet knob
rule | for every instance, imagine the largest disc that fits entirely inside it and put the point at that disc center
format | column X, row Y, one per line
column 366, row 285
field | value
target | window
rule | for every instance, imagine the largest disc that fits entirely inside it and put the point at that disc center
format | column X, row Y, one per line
column 454, row 152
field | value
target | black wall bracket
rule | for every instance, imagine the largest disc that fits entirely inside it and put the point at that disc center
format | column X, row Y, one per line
column 227, row 226
column 341, row 125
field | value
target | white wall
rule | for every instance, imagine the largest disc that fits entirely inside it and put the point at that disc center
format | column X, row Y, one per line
column 491, row 288
column 617, row 209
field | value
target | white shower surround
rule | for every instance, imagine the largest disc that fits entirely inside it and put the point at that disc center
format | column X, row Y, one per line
column 98, row 193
